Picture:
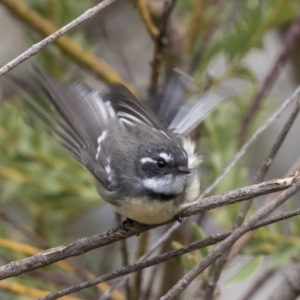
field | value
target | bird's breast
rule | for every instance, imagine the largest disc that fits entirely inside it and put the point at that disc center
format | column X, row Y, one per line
column 146, row 211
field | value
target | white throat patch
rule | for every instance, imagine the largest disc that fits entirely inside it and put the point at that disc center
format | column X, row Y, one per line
column 167, row 185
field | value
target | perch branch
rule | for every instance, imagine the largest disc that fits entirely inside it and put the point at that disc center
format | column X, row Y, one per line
column 83, row 245
column 229, row 241
column 210, row 240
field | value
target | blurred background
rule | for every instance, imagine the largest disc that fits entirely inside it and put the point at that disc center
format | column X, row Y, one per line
column 246, row 53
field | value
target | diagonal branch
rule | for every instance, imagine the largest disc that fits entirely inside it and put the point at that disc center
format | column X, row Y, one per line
column 288, row 288
column 83, row 245
column 288, row 43
column 276, row 146
column 260, row 176
column 256, row 134
column 65, row 43
column 228, row 242
column 210, row 240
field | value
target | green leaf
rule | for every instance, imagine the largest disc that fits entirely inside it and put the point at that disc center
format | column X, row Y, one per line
column 10, row 189
column 248, row 270
column 285, row 253
column 187, row 260
column 200, row 235
column 245, row 73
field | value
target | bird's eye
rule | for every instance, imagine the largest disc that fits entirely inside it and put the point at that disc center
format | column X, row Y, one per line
column 161, row 163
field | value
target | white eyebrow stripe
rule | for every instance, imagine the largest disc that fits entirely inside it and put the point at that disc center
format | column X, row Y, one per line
column 166, row 156
column 145, row 160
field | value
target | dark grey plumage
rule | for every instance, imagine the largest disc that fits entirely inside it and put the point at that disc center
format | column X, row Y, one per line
column 141, row 167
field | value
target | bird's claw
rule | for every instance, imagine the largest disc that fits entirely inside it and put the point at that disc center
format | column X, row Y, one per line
column 178, row 218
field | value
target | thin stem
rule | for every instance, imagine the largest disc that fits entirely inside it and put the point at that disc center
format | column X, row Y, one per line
column 259, row 283
column 210, row 240
column 242, row 215
column 252, row 139
column 160, row 43
column 229, row 241
column 154, row 247
column 73, row 49
column 83, row 245
column 137, row 279
column 146, row 17
column 30, row 234
column 196, row 59
column 270, row 79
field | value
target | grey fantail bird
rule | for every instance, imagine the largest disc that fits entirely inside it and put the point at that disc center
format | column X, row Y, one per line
column 144, row 169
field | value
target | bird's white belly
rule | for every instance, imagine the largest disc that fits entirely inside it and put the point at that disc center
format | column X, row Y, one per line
column 147, row 211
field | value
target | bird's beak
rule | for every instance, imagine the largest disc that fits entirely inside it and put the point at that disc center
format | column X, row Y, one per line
column 184, row 170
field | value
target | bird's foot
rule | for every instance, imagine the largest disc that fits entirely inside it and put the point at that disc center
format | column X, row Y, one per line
column 178, row 218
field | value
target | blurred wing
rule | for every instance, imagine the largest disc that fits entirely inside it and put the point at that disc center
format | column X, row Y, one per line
column 167, row 104
column 77, row 117
column 190, row 116
column 130, row 110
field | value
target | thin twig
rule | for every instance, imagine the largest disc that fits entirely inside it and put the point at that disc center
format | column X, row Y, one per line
column 270, row 79
column 213, row 256
column 196, row 26
column 137, row 279
column 288, row 288
column 246, row 206
column 150, row 284
column 153, row 248
column 257, row 133
column 30, row 234
column 241, row 243
column 80, row 273
column 65, row 43
column 281, row 137
column 259, row 283
column 125, row 260
column 146, row 17
column 210, row 240
column 209, row 34
column 160, row 43
column 83, row 245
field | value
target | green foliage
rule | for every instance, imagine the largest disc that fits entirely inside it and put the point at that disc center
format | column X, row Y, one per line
column 200, row 235
column 39, row 177
column 60, row 12
column 246, row 271
column 47, row 190
column 188, row 260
